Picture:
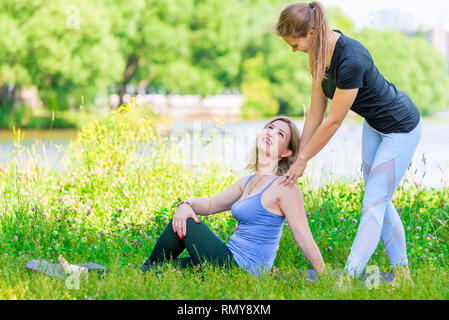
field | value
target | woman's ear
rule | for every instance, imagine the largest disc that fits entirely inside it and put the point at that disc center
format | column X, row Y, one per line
column 286, row 154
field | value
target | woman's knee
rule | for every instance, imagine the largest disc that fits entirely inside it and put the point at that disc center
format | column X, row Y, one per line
column 190, row 222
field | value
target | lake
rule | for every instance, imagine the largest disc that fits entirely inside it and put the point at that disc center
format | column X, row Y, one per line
column 229, row 143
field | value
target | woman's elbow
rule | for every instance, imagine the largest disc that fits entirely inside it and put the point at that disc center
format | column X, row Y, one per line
column 334, row 124
column 301, row 239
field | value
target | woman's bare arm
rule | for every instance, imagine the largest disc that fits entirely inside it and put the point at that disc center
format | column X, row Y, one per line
column 339, row 108
column 207, row 206
column 220, row 202
column 314, row 118
column 292, row 205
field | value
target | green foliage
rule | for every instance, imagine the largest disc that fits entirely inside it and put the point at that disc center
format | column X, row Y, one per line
column 217, row 38
column 338, row 21
column 199, row 81
column 63, row 47
column 183, row 47
column 258, row 100
column 76, row 50
column 287, row 72
column 412, row 65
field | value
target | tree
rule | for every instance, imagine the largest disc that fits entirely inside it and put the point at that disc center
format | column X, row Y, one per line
column 149, row 35
column 412, row 65
column 287, row 72
column 63, row 47
column 338, row 21
column 181, row 46
column 13, row 47
column 258, row 100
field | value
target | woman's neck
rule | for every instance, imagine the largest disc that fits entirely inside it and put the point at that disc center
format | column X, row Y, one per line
column 334, row 38
column 266, row 166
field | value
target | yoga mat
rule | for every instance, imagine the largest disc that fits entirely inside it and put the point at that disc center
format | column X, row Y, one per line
column 55, row 270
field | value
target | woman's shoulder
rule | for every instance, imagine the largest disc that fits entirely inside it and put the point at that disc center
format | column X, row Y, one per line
column 287, row 193
column 243, row 180
column 353, row 50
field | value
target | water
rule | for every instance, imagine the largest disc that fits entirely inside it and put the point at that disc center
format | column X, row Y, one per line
column 340, row 159
column 49, row 144
column 229, row 144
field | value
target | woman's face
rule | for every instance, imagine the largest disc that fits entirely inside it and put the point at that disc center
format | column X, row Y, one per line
column 274, row 140
column 301, row 44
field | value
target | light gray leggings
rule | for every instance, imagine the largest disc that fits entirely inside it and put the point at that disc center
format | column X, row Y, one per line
column 386, row 158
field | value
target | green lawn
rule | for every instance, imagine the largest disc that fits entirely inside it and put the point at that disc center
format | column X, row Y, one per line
column 113, row 199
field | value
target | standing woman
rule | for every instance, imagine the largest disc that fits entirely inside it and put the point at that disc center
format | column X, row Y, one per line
column 343, row 70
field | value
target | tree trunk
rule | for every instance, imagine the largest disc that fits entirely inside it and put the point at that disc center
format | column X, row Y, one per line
column 8, row 98
column 131, row 67
column 3, row 95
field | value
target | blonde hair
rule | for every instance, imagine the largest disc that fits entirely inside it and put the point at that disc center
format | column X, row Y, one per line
column 295, row 21
column 285, row 163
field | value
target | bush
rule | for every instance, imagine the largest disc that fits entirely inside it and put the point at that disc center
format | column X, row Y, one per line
column 412, row 65
column 258, row 99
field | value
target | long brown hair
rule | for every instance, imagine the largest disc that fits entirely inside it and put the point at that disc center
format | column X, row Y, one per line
column 296, row 20
column 285, row 163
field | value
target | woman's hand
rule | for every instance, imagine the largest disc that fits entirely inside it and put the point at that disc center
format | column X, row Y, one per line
column 296, row 171
column 180, row 217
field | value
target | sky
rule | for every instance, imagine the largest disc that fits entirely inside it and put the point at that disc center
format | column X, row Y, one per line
column 428, row 13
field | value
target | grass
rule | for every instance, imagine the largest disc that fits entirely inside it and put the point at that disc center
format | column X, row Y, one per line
column 118, row 190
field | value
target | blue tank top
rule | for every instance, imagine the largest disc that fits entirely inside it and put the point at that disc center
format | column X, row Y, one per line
column 255, row 243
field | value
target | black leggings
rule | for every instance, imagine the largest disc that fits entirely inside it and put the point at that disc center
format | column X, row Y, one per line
column 201, row 243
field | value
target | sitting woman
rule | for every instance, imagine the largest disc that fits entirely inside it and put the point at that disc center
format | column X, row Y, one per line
column 259, row 206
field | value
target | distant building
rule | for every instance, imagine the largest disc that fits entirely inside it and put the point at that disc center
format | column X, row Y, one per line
column 30, row 96
column 175, row 106
column 439, row 38
column 447, row 41
column 403, row 21
column 447, row 47
column 395, row 19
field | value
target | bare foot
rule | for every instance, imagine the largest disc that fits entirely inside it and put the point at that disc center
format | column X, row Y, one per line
column 402, row 276
column 64, row 264
column 70, row 268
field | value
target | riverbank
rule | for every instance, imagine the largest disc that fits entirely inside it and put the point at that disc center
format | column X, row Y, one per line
column 37, row 120
column 228, row 143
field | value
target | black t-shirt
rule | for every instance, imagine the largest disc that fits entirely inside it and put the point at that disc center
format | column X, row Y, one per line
column 385, row 108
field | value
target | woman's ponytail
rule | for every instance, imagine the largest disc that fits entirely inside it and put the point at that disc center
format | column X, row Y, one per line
column 321, row 44
column 296, row 20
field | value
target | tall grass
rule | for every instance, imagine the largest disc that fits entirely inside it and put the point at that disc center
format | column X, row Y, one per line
column 118, row 190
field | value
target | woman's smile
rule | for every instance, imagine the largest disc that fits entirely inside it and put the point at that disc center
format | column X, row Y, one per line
column 267, row 140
